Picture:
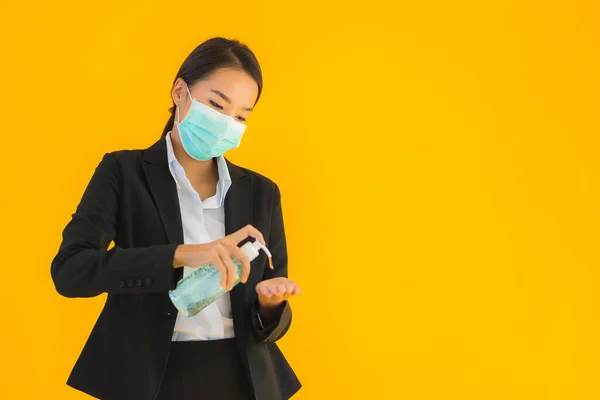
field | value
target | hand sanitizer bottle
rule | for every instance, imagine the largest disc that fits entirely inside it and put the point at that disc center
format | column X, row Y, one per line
column 203, row 286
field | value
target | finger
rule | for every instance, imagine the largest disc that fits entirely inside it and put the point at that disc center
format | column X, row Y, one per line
column 247, row 231
column 274, row 290
column 264, row 290
column 281, row 288
column 296, row 289
column 229, row 265
column 218, row 263
column 239, row 255
column 289, row 287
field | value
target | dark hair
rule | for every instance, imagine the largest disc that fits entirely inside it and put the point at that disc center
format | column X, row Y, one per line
column 211, row 55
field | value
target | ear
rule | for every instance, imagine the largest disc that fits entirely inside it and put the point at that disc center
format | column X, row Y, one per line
column 179, row 91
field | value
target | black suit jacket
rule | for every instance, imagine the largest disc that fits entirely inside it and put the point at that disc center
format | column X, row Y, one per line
column 132, row 200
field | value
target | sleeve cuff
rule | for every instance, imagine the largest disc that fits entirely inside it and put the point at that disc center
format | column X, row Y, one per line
column 261, row 328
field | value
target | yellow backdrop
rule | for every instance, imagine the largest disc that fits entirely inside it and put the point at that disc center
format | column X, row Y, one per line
column 437, row 160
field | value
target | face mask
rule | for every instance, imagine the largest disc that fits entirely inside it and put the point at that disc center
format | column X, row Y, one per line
column 205, row 133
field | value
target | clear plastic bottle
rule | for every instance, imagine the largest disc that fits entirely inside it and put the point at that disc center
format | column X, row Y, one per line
column 203, row 286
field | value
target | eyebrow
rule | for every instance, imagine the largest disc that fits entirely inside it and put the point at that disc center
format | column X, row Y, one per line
column 227, row 99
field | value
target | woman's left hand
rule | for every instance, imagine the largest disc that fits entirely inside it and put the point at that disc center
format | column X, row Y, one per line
column 272, row 292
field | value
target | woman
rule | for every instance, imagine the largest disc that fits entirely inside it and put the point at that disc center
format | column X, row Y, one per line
column 175, row 205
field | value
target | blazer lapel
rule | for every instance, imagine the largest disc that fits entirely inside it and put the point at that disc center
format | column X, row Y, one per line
column 164, row 191
column 238, row 207
column 238, row 213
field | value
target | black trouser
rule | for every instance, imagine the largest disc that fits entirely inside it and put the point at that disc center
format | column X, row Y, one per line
column 205, row 370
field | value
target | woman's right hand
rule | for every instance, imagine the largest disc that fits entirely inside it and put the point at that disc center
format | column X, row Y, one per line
column 219, row 253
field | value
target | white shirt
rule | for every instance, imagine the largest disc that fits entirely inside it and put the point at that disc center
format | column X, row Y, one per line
column 203, row 222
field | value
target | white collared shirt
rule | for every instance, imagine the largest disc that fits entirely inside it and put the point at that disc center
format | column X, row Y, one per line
column 203, row 222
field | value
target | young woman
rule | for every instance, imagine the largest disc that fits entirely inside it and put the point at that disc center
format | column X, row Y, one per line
column 172, row 207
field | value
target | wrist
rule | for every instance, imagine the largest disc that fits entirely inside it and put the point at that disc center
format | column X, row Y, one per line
column 269, row 313
column 265, row 305
column 179, row 258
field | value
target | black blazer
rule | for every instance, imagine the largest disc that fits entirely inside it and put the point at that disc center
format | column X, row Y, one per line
column 132, row 200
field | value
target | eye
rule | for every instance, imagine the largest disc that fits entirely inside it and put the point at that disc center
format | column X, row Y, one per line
column 241, row 119
column 218, row 106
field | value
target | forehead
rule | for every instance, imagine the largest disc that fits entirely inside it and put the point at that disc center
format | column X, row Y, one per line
column 236, row 84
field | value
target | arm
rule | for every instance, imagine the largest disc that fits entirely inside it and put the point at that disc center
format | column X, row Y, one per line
column 84, row 267
column 271, row 324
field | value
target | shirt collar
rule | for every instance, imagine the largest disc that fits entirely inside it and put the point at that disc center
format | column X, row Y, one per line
column 224, row 177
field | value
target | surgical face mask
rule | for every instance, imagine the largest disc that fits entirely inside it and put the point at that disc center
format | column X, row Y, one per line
column 205, row 133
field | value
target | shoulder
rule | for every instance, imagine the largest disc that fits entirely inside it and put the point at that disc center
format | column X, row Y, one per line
column 258, row 181
column 122, row 165
column 122, row 158
column 125, row 156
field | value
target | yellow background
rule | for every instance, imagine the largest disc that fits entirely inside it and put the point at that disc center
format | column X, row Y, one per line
column 438, row 165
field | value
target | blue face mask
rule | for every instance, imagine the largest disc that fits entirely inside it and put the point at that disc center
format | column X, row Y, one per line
column 205, row 133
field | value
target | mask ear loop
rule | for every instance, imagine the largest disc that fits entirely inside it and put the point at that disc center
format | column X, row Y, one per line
column 191, row 98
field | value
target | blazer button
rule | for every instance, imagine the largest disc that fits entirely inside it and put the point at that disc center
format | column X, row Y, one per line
column 148, row 281
column 130, row 283
column 140, row 282
column 122, row 284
